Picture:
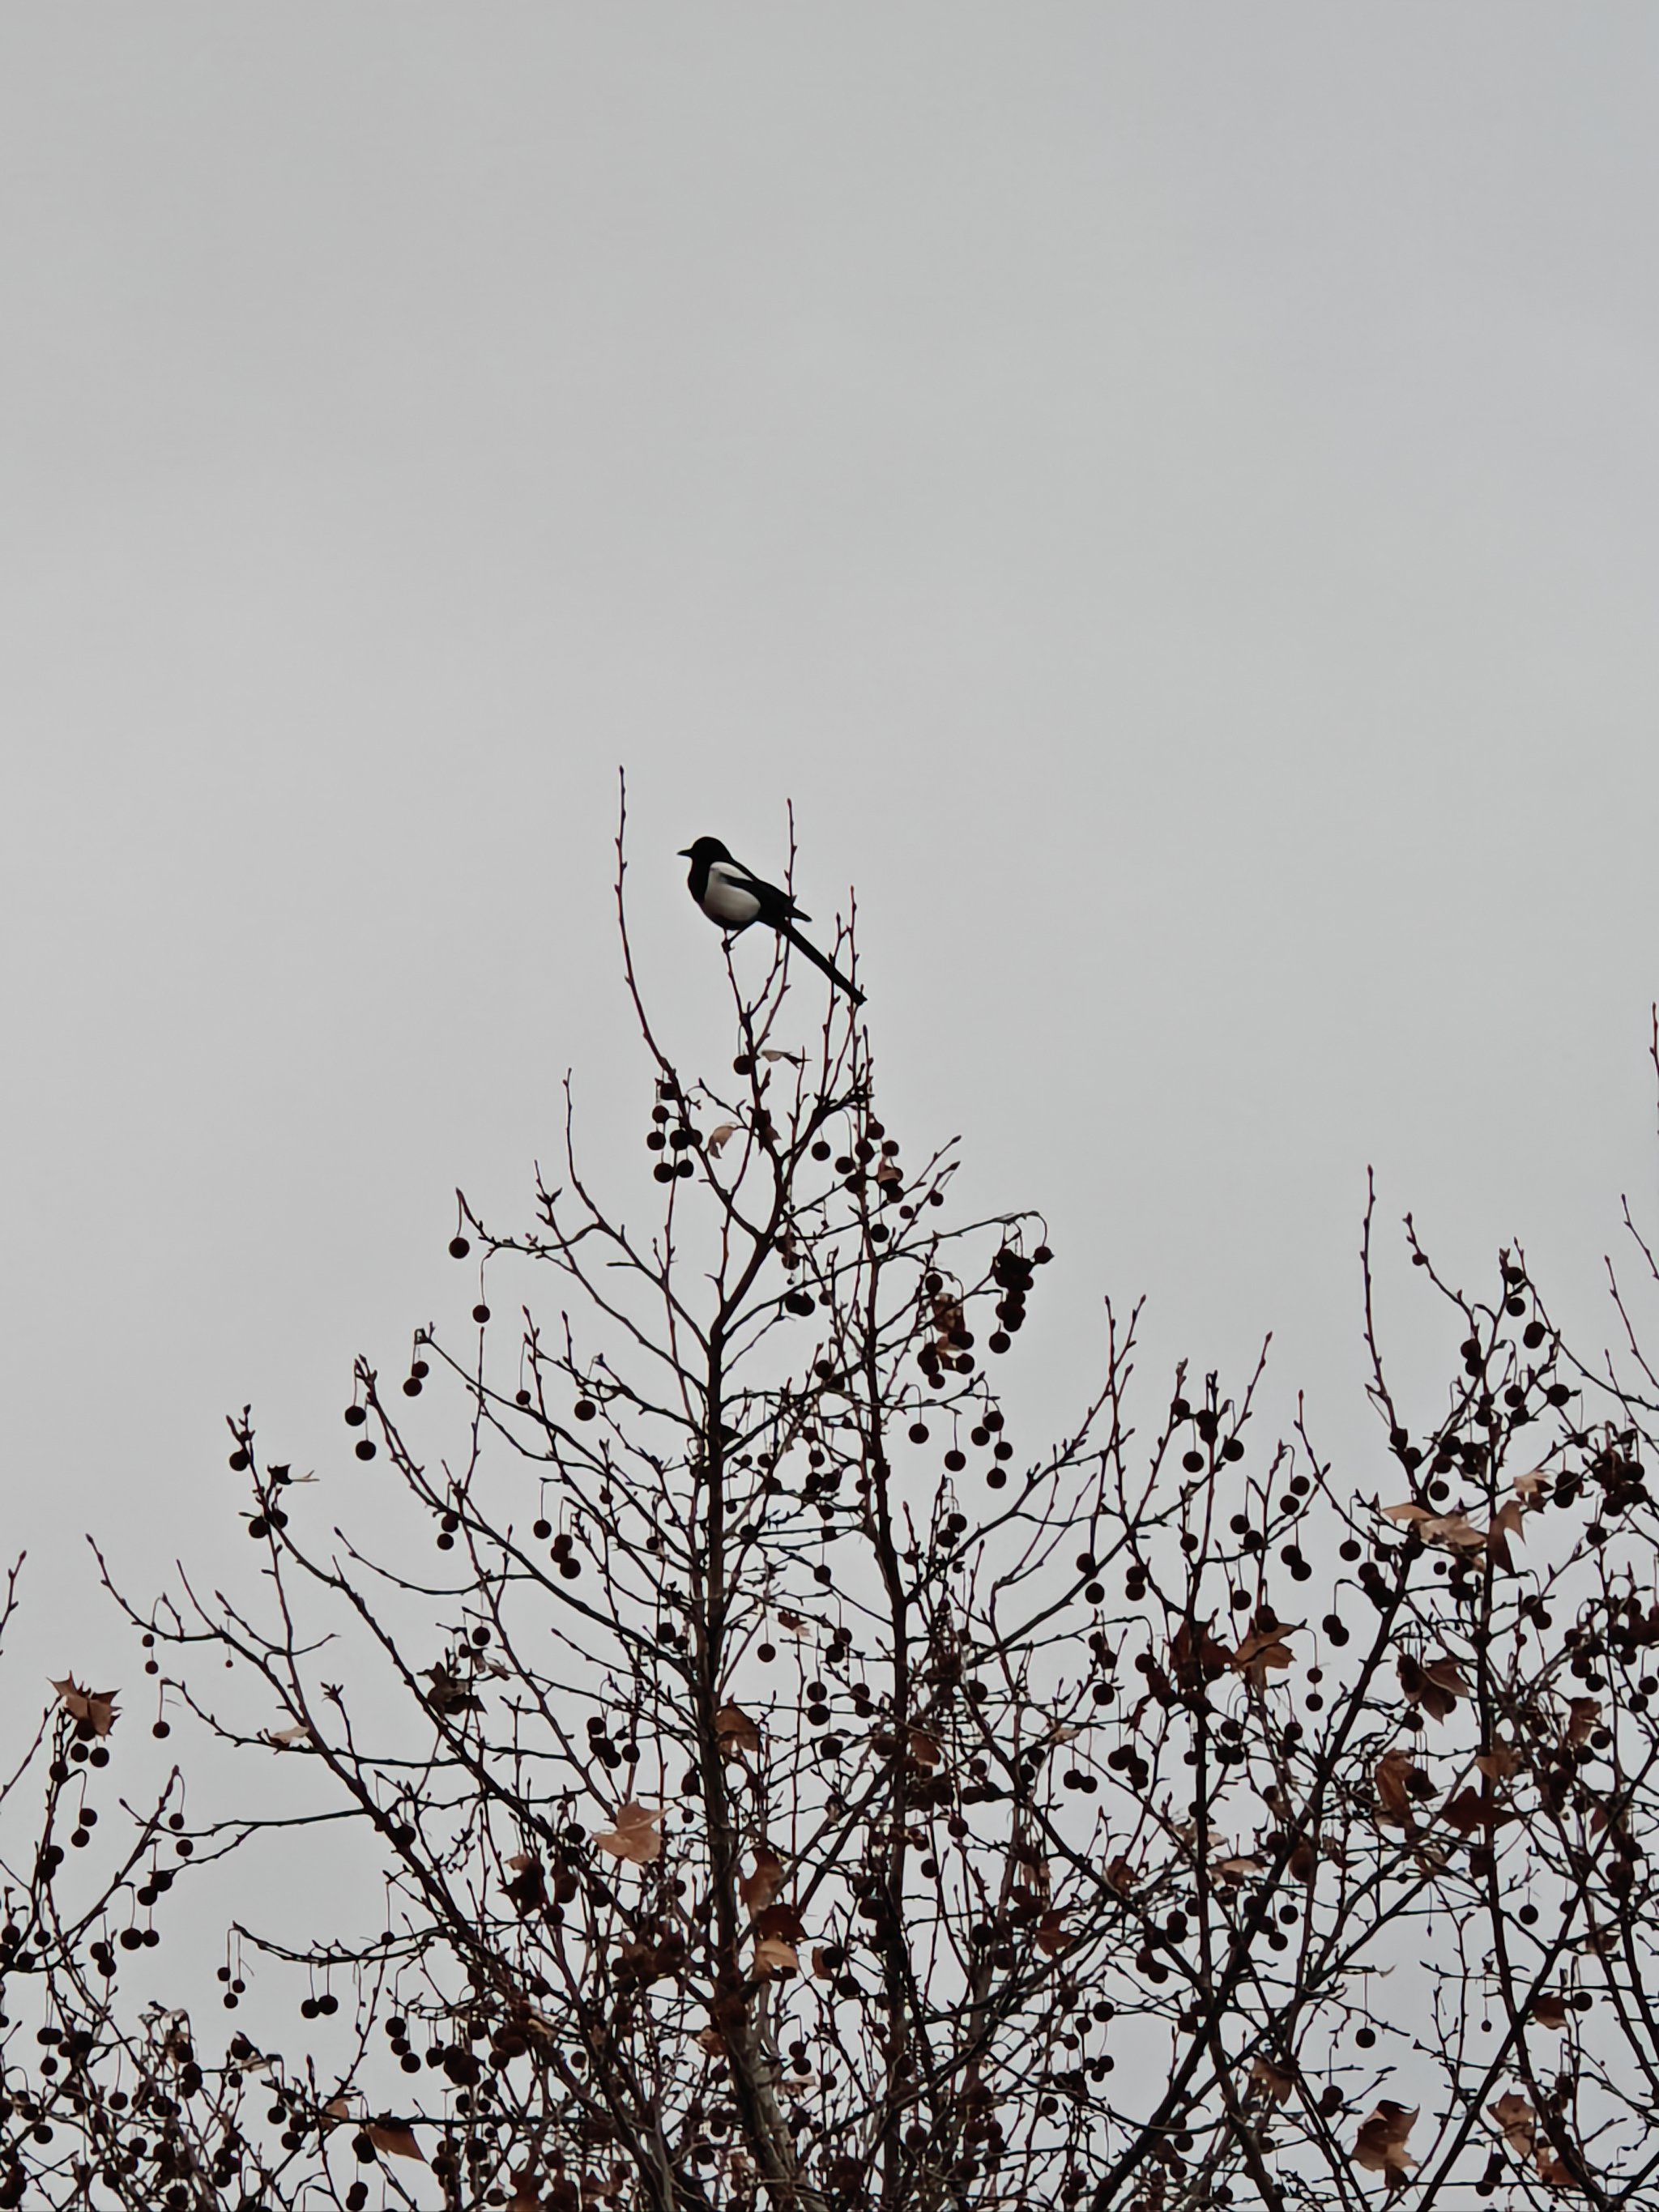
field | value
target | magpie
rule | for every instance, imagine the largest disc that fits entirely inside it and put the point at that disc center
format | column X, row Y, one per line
column 732, row 898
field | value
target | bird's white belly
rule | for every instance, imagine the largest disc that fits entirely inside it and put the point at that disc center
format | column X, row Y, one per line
column 728, row 902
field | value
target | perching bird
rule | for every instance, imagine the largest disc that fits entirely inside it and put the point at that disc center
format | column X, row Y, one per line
column 732, row 898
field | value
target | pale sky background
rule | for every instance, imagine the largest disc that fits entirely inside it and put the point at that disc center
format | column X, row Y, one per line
column 1171, row 493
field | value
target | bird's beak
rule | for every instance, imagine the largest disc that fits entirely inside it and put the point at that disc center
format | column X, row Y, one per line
column 685, row 852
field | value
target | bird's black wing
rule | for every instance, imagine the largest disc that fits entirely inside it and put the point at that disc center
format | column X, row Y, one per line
column 776, row 906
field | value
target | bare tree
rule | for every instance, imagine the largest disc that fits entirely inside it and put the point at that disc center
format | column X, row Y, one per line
column 796, row 1789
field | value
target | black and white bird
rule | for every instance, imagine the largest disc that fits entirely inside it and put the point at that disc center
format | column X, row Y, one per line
column 733, row 897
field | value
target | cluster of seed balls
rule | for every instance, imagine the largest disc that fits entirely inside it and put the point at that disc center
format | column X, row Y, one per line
column 682, row 1140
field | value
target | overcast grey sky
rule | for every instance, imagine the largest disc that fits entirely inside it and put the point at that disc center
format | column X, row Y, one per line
column 1171, row 493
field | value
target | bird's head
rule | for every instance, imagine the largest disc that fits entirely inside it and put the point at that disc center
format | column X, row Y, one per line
column 704, row 850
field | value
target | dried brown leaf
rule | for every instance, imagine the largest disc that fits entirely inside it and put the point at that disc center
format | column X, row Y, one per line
column 1239, row 1870
column 1051, row 1937
column 395, row 2138
column 925, row 1748
column 717, row 1140
column 1468, row 1810
column 1380, row 2147
column 1456, row 1531
column 1436, row 1687
column 1272, row 2080
column 1515, row 2120
column 1549, row 2008
column 1391, row 1778
column 758, row 1889
column 639, row 1962
column 1159, row 1683
column 450, row 1693
column 97, row 1706
column 948, row 1315
column 783, row 1921
column 634, row 1837
column 1195, row 1653
column 737, row 1732
column 1557, row 2172
column 1500, row 1763
column 1583, row 1714
column 528, row 1887
column 773, row 1956
column 1505, row 1524
column 1261, row 1649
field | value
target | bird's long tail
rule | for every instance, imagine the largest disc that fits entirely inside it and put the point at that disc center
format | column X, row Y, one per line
column 811, row 952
